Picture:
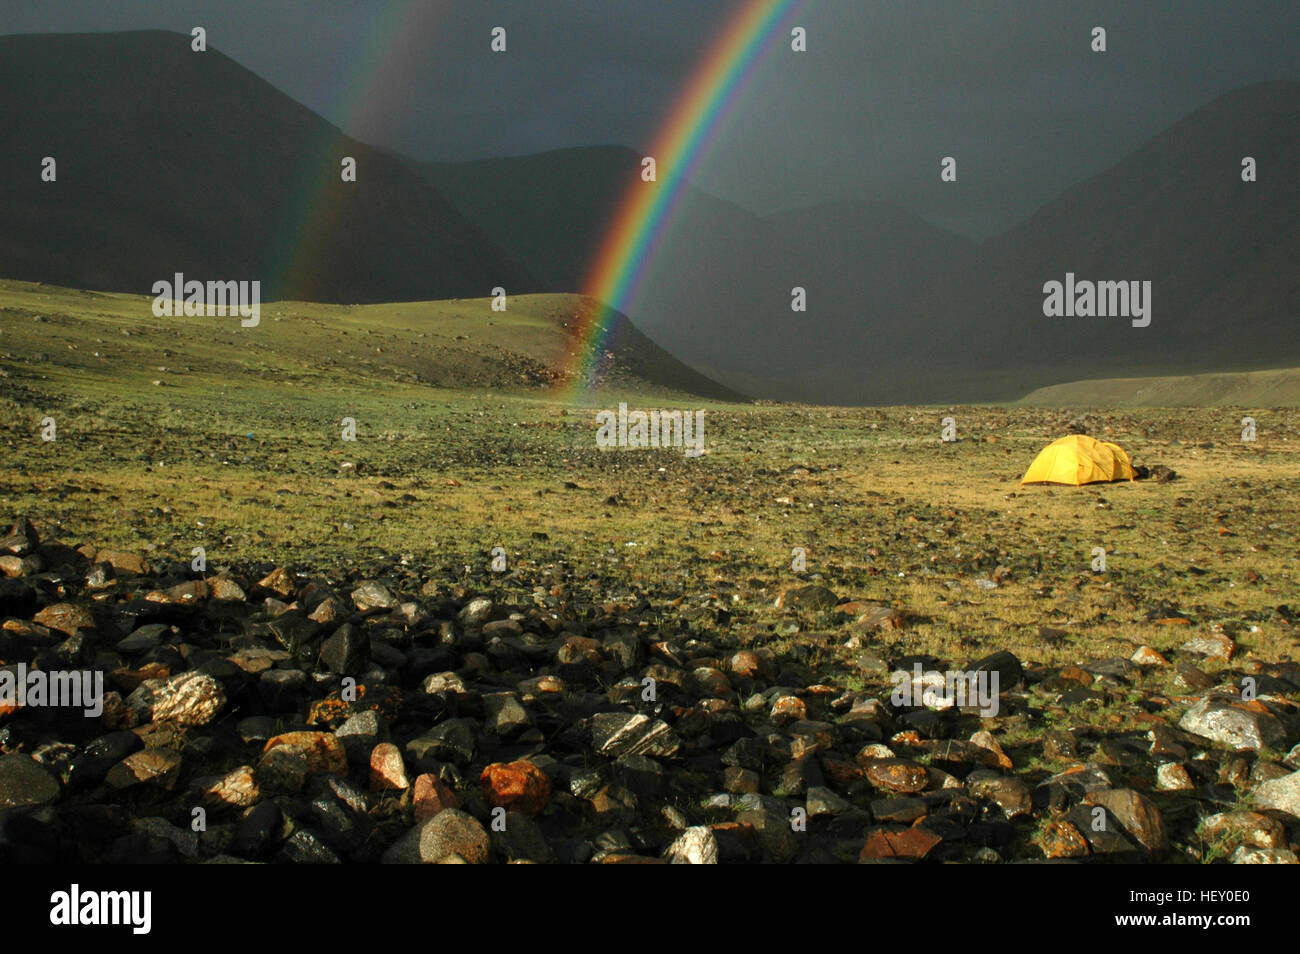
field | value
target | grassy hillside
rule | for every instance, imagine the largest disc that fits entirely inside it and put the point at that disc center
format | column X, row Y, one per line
column 1279, row 388
column 106, row 344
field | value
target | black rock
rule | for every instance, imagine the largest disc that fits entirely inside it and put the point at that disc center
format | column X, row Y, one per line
column 96, row 757
column 307, row 847
column 1006, row 665
column 346, row 652
column 24, row 781
column 253, row 836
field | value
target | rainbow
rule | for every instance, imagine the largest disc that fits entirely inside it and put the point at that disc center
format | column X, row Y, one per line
column 647, row 208
column 387, row 48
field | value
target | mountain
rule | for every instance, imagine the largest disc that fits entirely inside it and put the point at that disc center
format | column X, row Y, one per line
column 899, row 311
column 550, row 210
column 719, row 275
column 1220, row 254
column 172, row 160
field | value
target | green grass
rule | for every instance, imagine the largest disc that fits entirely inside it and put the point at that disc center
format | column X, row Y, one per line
column 483, row 456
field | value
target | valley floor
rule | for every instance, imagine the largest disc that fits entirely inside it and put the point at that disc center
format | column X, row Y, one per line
column 600, row 568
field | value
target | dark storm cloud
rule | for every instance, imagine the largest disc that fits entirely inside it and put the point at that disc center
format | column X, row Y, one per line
column 886, row 89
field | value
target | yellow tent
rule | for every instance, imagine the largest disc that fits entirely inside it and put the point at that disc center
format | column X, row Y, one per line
column 1079, row 459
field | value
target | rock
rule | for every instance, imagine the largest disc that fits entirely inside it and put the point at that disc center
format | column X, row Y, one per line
column 160, row 767
column 614, row 734
column 476, row 612
column 329, row 612
column 191, row 698
column 443, row 682
column 897, row 775
column 449, row 741
column 1236, row 725
column 708, row 682
column 346, row 652
column 520, row 842
column 1009, row 794
column 1072, row 784
column 773, row 833
column 740, row 780
column 909, row 843
column 995, row 757
column 505, row 715
column 66, row 618
column 225, row 589
column 1135, row 812
column 821, row 800
column 143, row 639
column 787, row 709
column 257, row 829
column 185, row 842
column 807, row 599
column 1173, row 777
column 431, row 796
column 1191, row 679
column 14, row 566
column 129, row 563
column 24, row 781
column 1279, row 794
column 182, row 594
column 451, row 836
column 282, row 689
column 1264, row 856
column 1292, row 758
column 279, row 583
column 516, row 786
column 306, row 847
column 1146, row 656
column 360, row 733
column 373, row 596
column 1215, row 645
column 752, row 664
column 694, row 846
column 1006, row 665
column 237, row 789
column 1165, row 741
column 1248, row 828
column 387, row 771
column 880, row 618
column 293, row 630
column 319, row 752
column 1061, row 839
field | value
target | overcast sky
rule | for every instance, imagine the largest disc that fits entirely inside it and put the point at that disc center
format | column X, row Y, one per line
column 1011, row 89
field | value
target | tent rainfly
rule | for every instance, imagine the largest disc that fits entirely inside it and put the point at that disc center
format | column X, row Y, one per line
column 1077, row 460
